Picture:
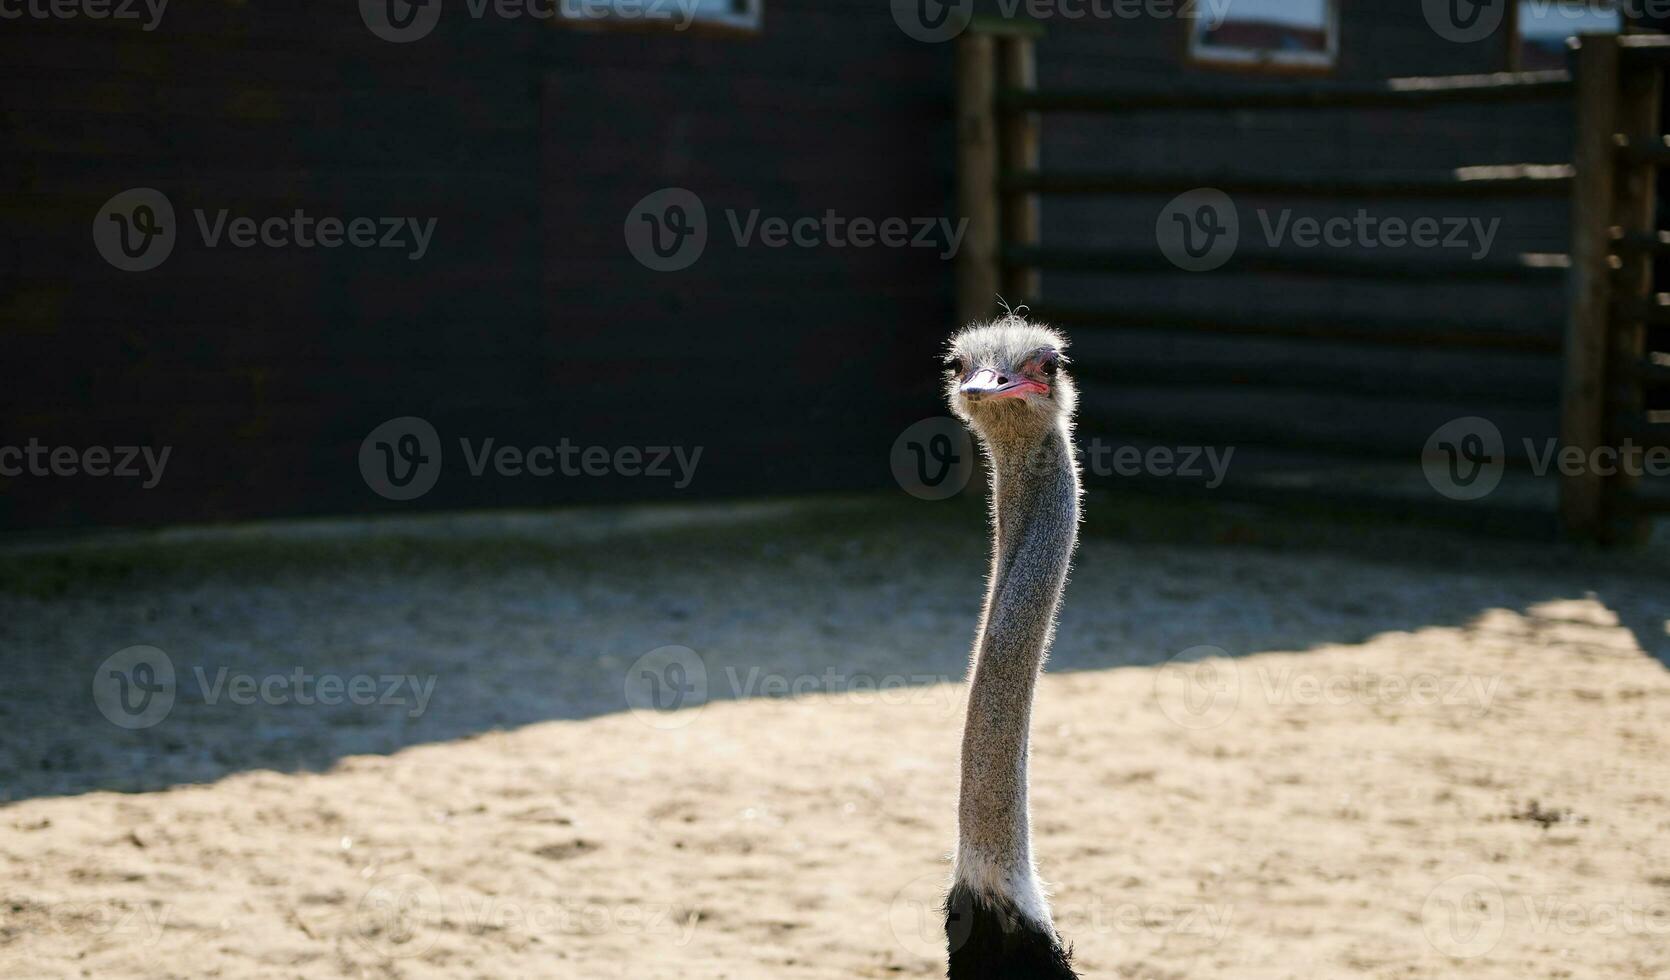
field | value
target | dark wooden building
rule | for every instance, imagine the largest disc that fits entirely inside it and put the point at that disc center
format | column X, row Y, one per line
column 524, row 135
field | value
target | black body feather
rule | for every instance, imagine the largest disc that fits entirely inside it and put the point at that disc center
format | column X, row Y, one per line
column 989, row 940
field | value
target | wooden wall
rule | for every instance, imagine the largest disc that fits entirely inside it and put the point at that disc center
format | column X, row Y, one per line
column 1172, row 388
column 528, row 321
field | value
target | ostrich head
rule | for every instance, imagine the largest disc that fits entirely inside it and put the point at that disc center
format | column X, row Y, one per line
column 1007, row 379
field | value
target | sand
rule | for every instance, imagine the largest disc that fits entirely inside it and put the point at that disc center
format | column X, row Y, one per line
column 1248, row 762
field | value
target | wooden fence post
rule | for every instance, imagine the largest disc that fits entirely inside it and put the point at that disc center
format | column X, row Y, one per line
column 1583, row 396
column 1635, row 208
column 977, row 163
column 1020, row 153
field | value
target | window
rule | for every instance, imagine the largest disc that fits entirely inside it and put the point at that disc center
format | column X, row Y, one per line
column 1267, row 33
column 1544, row 25
column 678, row 15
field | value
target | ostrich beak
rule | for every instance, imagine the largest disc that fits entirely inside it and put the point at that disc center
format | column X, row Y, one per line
column 988, row 384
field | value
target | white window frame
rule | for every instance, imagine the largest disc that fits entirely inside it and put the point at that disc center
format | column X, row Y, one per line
column 1214, row 55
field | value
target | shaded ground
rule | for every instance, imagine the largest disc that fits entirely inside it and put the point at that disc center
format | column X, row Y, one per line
column 1449, row 760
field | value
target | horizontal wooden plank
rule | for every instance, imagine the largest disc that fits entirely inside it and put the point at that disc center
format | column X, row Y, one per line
column 1529, row 267
column 1654, row 311
column 1497, row 514
column 1396, row 331
column 1648, row 502
column 1653, row 374
column 1508, row 180
column 1344, row 379
column 1641, row 50
column 1655, row 243
column 1344, row 425
column 1651, row 150
column 1391, row 93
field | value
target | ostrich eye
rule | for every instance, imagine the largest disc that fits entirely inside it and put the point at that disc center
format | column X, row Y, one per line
column 957, row 363
column 1047, row 365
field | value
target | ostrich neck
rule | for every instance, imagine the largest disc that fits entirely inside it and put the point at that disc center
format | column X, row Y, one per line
column 1035, row 522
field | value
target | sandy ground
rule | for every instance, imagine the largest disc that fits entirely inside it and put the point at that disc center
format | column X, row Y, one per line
column 1248, row 762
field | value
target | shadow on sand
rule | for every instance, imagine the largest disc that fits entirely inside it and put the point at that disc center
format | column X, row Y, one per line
column 437, row 628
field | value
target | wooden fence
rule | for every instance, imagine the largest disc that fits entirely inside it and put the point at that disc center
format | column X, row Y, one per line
column 1610, row 309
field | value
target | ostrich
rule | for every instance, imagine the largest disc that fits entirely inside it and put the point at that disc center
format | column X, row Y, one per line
column 1005, row 382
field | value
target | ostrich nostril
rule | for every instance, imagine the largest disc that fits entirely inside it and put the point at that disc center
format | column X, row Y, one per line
column 1003, row 379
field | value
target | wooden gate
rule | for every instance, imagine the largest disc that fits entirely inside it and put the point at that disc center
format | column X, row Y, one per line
column 1602, row 336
